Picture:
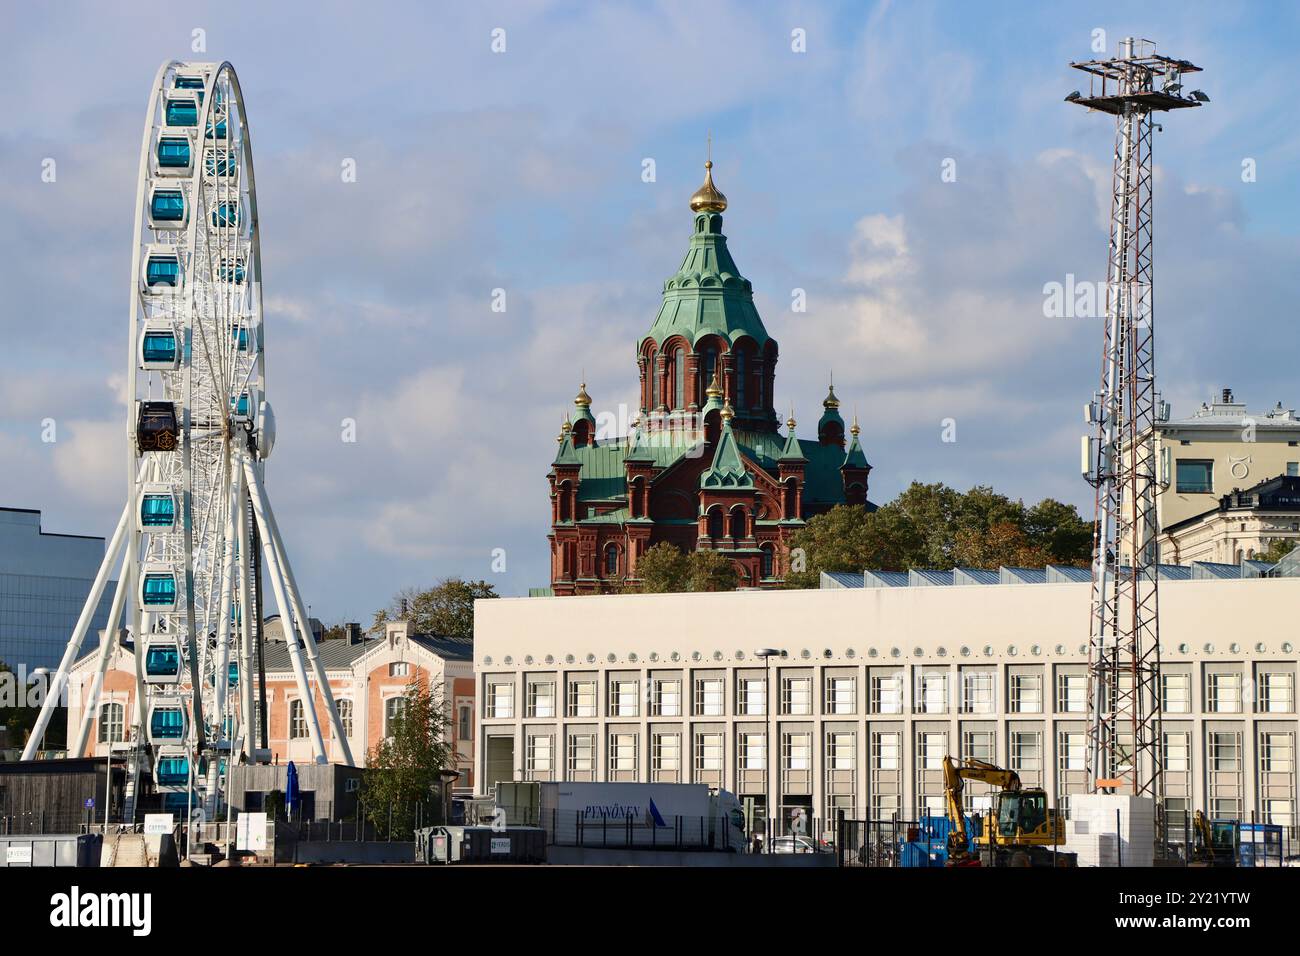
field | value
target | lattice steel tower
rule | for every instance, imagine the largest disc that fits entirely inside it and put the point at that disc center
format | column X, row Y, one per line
column 1124, row 721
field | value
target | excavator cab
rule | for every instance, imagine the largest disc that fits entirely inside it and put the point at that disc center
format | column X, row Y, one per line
column 1022, row 815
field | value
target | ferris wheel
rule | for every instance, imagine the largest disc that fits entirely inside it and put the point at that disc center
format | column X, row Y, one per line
column 197, row 531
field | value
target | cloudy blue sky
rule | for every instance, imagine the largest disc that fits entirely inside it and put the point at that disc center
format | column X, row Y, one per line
column 522, row 170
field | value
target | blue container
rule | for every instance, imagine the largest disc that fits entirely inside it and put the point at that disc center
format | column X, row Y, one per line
column 167, row 205
column 167, row 723
column 173, row 772
column 159, row 346
column 159, row 589
column 158, row 511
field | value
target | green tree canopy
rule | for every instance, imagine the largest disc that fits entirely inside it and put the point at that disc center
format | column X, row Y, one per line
column 665, row 568
column 1278, row 550
column 446, row 609
column 934, row 526
column 403, row 769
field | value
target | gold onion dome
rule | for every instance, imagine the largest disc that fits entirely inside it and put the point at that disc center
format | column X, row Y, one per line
column 707, row 198
column 855, row 429
column 728, row 413
column 831, row 401
column 583, row 400
column 789, row 422
column 715, row 387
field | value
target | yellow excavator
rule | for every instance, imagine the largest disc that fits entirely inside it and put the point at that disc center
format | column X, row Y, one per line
column 1023, row 832
column 1213, row 843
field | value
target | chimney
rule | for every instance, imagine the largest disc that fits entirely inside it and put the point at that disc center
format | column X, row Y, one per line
column 353, row 632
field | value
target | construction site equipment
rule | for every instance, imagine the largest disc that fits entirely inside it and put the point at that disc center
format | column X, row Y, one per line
column 1213, row 843
column 1021, row 831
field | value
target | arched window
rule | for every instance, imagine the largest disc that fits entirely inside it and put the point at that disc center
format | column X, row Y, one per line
column 654, row 379
column 297, row 720
column 345, row 716
column 740, row 380
column 565, row 513
column 679, row 379
column 767, row 561
column 611, row 560
column 112, row 726
column 715, row 522
column 710, row 366
column 791, row 498
column 737, row 522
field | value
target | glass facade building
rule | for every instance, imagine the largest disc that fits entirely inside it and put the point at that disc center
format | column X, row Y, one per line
column 44, row 580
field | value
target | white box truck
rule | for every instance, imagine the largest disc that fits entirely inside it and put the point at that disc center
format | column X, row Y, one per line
column 644, row 815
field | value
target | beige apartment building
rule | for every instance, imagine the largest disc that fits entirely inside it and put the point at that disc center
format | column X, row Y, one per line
column 864, row 690
column 1226, row 449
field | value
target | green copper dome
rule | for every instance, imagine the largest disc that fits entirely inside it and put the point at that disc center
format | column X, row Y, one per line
column 708, row 295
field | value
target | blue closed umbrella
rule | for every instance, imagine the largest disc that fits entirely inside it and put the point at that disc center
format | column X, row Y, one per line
column 291, row 790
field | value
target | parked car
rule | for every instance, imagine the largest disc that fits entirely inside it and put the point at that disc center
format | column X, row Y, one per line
column 799, row 844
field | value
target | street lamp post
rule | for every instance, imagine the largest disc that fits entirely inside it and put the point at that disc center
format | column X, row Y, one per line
column 769, row 796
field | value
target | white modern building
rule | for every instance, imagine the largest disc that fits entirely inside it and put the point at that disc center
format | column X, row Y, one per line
column 848, row 698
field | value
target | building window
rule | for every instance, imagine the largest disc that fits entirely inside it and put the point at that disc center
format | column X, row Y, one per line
column 934, row 747
column 1276, row 692
column 710, row 364
column 541, row 699
column 767, row 561
column 976, row 692
column 1176, row 696
column 709, row 692
column 112, row 723
column 582, row 698
column 666, row 699
column 1176, row 751
column 611, row 561
column 841, row 752
column 798, row 751
column 623, row 698
column 978, row 745
column 751, row 696
column 1293, row 469
column 539, row 753
column 1072, row 693
column 1194, row 476
column 1275, row 753
column 582, row 753
column 753, row 751
column 841, row 695
column 1277, row 812
column 740, row 380
column 1026, row 750
column 465, row 728
column 1176, row 819
column 666, row 752
column 1026, row 694
column 886, row 754
column 394, row 707
column 796, row 696
column 501, row 699
column 655, row 401
column 1223, row 751
column 399, row 669
column 708, row 752
column 298, row 720
column 886, row 693
column 622, row 753
column 679, row 378
column 345, row 716
column 1073, row 748
column 1223, row 693
column 933, row 698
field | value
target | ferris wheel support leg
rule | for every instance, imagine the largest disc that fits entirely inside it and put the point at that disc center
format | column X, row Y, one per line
column 55, row 688
column 221, row 676
column 106, row 643
column 300, row 611
column 286, row 612
column 244, row 537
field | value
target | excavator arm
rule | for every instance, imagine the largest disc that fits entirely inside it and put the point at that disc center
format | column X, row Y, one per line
column 955, row 773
